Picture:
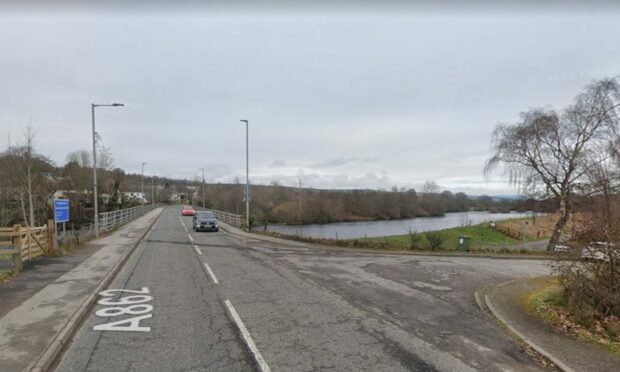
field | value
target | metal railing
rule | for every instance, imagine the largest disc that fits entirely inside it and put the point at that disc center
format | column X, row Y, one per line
column 111, row 220
column 229, row 218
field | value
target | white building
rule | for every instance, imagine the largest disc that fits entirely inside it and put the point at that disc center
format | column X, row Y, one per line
column 136, row 196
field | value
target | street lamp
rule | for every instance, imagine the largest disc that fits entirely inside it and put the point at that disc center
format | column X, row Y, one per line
column 247, row 175
column 96, row 200
column 203, row 187
column 143, row 182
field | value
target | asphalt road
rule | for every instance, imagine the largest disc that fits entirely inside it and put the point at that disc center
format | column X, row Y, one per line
column 303, row 308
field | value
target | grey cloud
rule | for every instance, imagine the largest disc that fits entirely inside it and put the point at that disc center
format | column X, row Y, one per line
column 338, row 162
column 278, row 164
column 339, row 96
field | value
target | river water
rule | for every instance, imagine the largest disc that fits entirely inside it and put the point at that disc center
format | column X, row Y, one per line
column 352, row 230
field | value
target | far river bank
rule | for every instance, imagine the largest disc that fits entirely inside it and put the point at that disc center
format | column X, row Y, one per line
column 368, row 229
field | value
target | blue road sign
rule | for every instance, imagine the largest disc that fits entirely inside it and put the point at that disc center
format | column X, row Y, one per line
column 61, row 210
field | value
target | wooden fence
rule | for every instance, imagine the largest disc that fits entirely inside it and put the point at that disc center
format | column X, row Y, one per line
column 530, row 233
column 26, row 244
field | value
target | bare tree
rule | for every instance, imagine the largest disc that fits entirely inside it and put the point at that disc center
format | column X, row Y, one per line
column 430, row 187
column 551, row 153
column 431, row 201
column 23, row 178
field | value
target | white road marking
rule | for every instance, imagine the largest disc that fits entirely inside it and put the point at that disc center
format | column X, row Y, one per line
column 127, row 305
column 211, row 274
column 197, row 250
column 190, row 238
column 262, row 365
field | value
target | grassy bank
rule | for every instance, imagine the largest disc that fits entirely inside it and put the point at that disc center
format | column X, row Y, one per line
column 483, row 239
column 547, row 303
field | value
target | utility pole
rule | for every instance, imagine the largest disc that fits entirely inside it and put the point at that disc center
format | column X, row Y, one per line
column 203, row 187
column 95, row 196
column 142, row 199
column 247, row 175
column 153, row 190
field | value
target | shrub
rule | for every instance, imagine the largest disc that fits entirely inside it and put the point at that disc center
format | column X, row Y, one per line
column 435, row 239
column 414, row 238
column 591, row 287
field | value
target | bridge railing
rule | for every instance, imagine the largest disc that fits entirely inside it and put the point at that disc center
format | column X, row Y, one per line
column 111, row 220
column 229, row 218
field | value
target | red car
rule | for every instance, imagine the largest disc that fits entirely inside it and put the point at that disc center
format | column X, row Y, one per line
column 188, row 210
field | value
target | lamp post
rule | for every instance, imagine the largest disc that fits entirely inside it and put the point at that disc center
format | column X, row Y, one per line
column 142, row 200
column 203, row 187
column 247, row 175
column 153, row 190
column 95, row 196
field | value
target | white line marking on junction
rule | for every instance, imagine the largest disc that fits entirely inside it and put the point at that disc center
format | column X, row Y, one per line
column 262, row 365
column 211, row 274
column 190, row 238
column 197, row 250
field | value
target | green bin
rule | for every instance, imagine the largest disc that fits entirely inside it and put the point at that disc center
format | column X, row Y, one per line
column 464, row 243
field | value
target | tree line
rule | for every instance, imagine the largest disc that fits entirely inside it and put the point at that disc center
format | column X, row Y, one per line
column 29, row 179
column 276, row 203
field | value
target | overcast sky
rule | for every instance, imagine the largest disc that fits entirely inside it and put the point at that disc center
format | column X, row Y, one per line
column 355, row 100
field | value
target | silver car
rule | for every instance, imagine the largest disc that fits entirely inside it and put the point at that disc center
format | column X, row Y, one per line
column 205, row 221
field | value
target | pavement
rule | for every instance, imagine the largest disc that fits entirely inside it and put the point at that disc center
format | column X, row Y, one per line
column 231, row 300
column 40, row 308
column 568, row 353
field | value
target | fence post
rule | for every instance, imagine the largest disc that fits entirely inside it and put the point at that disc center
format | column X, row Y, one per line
column 28, row 237
column 17, row 244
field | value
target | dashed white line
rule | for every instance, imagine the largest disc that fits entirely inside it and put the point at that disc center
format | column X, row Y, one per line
column 190, row 238
column 197, row 250
column 211, row 274
column 262, row 365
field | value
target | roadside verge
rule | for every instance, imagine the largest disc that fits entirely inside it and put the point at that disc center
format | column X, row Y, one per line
column 567, row 353
column 240, row 233
column 35, row 332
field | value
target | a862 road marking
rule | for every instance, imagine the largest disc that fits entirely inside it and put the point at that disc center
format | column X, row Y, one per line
column 134, row 304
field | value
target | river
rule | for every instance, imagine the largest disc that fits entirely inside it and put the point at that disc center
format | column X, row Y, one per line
column 352, row 230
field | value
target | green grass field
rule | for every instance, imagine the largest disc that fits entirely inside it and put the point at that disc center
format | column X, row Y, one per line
column 481, row 236
column 483, row 239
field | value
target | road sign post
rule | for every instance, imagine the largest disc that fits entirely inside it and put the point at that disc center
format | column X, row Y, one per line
column 61, row 214
column 61, row 210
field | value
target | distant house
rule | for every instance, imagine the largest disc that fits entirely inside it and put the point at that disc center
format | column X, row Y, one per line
column 178, row 198
column 64, row 194
column 135, row 196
